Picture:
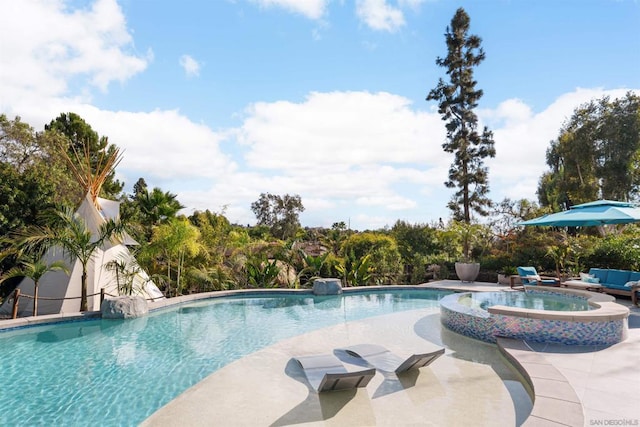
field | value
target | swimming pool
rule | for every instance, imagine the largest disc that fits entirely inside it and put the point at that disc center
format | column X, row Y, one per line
column 113, row 372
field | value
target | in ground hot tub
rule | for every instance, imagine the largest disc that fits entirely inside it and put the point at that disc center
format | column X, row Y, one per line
column 540, row 314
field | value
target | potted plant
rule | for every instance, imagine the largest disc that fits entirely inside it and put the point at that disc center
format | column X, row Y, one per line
column 467, row 269
column 504, row 275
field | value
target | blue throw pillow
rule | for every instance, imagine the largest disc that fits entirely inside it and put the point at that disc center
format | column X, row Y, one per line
column 591, row 280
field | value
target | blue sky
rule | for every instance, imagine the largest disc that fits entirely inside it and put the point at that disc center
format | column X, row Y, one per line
column 219, row 101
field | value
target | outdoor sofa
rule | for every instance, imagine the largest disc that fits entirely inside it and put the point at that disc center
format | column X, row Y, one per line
column 610, row 281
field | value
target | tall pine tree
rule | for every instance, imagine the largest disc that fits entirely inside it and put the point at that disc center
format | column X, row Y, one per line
column 457, row 100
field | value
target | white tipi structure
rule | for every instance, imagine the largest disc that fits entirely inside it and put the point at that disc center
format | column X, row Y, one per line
column 60, row 285
column 59, row 292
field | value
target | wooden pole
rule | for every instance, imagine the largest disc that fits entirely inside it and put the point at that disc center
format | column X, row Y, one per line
column 101, row 297
column 16, row 297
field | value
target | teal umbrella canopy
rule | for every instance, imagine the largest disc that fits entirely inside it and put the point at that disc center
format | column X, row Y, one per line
column 600, row 212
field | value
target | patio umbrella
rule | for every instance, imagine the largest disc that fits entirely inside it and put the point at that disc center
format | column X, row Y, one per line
column 600, row 212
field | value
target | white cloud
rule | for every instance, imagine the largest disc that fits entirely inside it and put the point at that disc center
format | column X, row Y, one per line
column 413, row 4
column 338, row 130
column 90, row 44
column 162, row 145
column 190, row 66
column 312, row 9
column 379, row 15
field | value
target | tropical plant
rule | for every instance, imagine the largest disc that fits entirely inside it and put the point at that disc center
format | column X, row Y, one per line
column 312, row 267
column 173, row 241
column 509, row 270
column 357, row 273
column 69, row 232
column 216, row 278
column 290, row 255
column 126, row 270
column 157, row 206
column 559, row 253
column 34, row 267
column 385, row 260
column 466, row 237
column 335, row 236
column 262, row 272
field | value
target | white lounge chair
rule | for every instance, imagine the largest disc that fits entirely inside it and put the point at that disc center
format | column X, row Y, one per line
column 383, row 359
column 326, row 372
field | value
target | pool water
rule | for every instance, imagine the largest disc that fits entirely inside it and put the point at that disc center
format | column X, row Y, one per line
column 118, row 372
column 530, row 300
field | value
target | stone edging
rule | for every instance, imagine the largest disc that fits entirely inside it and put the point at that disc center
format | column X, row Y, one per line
column 605, row 307
column 555, row 402
column 22, row 322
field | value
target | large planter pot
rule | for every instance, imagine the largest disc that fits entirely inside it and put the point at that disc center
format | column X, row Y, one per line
column 467, row 271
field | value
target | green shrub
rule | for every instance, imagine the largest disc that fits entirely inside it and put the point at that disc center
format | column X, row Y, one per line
column 615, row 251
column 384, row 263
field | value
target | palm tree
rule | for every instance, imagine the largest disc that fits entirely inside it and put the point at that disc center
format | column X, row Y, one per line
column 126, row 270
column 34, row 269
column 174, row 240
column 71, row 233
column 157, row 206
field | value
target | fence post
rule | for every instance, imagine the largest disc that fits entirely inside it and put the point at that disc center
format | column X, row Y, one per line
column 16, row 297
column 101, row 296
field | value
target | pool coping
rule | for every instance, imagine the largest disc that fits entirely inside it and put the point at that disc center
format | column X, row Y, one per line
column 555, row 401
column 46, row 319
column 605, row 307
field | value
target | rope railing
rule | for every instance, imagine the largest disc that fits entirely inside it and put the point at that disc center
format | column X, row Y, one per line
column 17, row 295
column 60, row 299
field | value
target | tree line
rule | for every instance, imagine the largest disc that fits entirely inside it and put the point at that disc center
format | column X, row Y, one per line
column 205, row 251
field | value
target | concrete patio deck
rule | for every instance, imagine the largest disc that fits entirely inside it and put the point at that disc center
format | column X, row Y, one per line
column 469, row 385
column 268, row 388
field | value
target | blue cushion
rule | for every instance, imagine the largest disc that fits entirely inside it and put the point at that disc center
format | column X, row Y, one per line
column 617, row 277
column 600, row 273
column 591, row 280
column 634, row 276
column 527, row 271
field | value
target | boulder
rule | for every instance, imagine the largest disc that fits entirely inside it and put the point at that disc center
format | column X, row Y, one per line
column 327, row 287
column 124, row 307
